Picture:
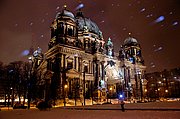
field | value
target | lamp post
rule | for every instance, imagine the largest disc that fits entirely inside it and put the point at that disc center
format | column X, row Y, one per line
column 76, row 87
column 65, row 89
column 110, row 93
column 146, row 94
column 84, row 87
column 84, row 81
column 29, row 80
column 166, row 93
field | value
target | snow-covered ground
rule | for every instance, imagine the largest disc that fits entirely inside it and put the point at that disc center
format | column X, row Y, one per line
column 60, row 113
column 88, row 114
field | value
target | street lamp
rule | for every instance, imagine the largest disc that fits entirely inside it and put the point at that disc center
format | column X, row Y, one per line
column 29, row 80
column 110, row 93
column 65, row 88
column 166, row 91
column 84, row 87
column 146, row 93
column 84, row 81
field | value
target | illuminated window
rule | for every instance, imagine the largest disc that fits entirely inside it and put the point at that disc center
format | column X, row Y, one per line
column 139, row 53
column 135, row 51
column 132, row 60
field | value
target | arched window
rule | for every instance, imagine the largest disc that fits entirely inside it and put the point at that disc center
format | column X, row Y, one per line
column 61, row 28
column 135, row 51
column 139, row 53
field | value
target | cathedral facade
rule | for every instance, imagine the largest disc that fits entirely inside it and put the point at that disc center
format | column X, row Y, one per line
column 79, row 64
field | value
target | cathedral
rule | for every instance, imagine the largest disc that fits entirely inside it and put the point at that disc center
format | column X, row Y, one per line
column 80, row 65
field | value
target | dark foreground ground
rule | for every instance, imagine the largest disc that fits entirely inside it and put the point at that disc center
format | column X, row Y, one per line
column 103, row 112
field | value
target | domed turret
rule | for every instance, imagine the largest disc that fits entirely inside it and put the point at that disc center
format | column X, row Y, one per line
column 65, row 13
column 63, row 29
column 130, row 40
column 132, row 49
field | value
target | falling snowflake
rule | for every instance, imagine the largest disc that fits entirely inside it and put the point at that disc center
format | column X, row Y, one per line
column 80, row 6
column 175, row 23
column 158, row 49
column 16, row 25
column 25, row 53
column 142, row 10
column 160, row 19
column 102, row 21
column 42, row 20
column 124, row 29
column 31, row 24
column 57, row 8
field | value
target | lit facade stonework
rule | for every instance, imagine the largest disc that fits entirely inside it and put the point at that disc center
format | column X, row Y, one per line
column 80, row 64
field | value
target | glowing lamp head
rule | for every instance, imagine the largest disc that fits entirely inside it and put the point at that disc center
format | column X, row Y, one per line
column 65, row 86
column 121, row 96
column 166, row 91
column 65, row 6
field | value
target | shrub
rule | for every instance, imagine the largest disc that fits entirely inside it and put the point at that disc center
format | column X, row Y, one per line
column 43, row 105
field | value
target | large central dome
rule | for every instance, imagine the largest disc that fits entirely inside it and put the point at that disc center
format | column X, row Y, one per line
column 88, row 24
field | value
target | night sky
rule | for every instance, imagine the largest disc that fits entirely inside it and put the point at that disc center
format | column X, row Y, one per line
column 154, row 23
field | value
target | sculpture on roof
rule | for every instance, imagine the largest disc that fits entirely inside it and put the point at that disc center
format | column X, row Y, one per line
column 38, row 53
column 109, row 48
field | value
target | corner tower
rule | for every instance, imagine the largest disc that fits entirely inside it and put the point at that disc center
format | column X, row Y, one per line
column 132, row 50
column 63, row 29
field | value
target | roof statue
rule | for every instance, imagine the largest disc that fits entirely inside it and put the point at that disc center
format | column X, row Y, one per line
column 109, row 48
column 38, row 52
column 109, row 43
